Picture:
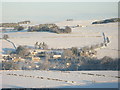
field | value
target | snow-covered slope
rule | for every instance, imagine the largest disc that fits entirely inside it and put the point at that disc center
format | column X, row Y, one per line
column 58, row 79
column 85, row 35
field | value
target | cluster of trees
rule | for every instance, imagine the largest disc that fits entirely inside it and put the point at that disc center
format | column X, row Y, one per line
column 106, row 63
column 8, row 24
column 16, row 26
column 22, row 51
column 49, row 28
column 85, row 63
column 107, row 21
column 9, row 65
column 21, row 65
column 69, row 20
column 77, row 62
column 24, row 22
column 41, row 45
column 76, row 52
column 19, row 28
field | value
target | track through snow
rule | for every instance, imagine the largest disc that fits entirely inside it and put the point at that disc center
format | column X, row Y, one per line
column 52, row 79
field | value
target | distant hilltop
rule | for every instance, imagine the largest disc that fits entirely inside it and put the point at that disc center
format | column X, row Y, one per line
column 107, row 21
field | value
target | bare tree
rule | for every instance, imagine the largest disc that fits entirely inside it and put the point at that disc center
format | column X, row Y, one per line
column 36, row 45
column 45, row 46
column 75, row 50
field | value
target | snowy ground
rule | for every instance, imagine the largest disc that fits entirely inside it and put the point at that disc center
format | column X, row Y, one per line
column 81, row 36
column 59, row 79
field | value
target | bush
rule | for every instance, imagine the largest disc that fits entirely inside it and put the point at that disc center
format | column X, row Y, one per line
column 67, row 53
column 19, row 28
column 75, row 51
column 22, row 51
column 67, row 29
column 5, row 36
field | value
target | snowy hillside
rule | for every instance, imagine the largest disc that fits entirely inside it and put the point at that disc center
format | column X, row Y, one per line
column 84, row 35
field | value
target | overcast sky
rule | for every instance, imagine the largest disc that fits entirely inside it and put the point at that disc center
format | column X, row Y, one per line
column 43, row 12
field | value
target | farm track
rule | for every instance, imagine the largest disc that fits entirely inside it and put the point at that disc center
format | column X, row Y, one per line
column 61, row 80
column 92, row 74
column 40, row 77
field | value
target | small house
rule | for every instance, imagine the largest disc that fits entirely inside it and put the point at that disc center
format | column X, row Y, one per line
column 56, row 56
column 35, row 59
column 17, row 59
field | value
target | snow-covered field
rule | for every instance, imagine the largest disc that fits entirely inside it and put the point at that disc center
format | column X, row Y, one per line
column 85, row 35
column 59, row 79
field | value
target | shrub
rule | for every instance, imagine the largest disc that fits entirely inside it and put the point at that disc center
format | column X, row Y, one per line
column 67, row 29
column 19, row 28
column 22, row 51
column 5, row 36
column 75, row 51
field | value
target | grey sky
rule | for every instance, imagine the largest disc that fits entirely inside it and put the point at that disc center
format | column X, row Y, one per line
column 43, row 12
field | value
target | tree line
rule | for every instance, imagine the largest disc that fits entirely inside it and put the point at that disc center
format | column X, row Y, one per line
column 49, row 28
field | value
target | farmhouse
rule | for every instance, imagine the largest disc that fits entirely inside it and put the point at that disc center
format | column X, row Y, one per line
column 35, row 59
column 38, row 52
column 56, row 56
column 17, row 59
